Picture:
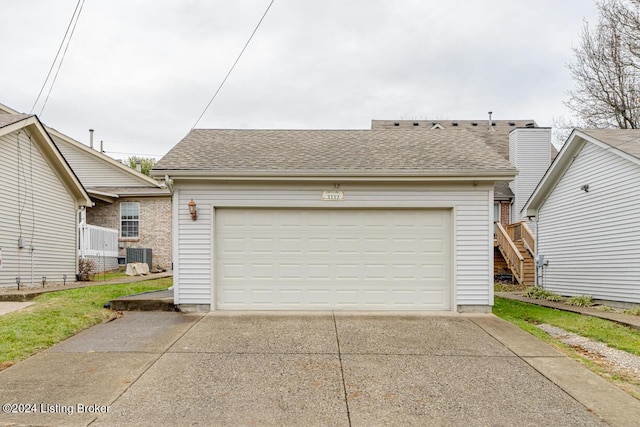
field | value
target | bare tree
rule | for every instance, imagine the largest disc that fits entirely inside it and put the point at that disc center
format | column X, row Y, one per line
column 607, row 68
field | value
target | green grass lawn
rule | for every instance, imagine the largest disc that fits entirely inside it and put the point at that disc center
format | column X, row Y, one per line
column 59, row 315
column 526, row 316
column 109, row 275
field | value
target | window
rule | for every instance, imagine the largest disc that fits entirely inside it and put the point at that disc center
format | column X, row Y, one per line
column 130, row 220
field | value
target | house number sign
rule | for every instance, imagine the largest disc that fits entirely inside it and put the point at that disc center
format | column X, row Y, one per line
column 333, row 195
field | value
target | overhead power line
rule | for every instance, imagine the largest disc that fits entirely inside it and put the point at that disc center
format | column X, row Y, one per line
column 234, row 65
column 72, row 26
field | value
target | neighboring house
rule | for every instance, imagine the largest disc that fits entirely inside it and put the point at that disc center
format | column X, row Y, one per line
column 587, row 208
column 41, row 198
column 131, row 210
column 528, row 148
column 136, row 205
column 345, row 219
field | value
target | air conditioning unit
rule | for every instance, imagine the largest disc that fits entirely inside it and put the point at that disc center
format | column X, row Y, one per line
column 140, row 255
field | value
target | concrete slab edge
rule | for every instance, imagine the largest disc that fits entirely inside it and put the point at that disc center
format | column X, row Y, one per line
column 610, row 403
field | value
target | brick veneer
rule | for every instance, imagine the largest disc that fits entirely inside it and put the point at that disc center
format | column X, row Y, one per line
column 504, row 213
column 155, row 225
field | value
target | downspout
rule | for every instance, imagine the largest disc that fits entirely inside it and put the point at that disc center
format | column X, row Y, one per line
column 538, row 267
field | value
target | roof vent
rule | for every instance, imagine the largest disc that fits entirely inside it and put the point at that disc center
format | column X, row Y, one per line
column 416, row 124
column 512, row 123
column 530, row 125
column 396, row 123
column 454, row 123
column 474, row 124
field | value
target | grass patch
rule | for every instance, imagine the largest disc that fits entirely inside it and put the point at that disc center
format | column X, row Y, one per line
column 526, row 316
column 56, row 316
column 109, row 275
column 632, row 311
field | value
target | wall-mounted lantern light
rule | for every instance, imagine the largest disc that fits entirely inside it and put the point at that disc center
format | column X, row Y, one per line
column 585, row 188
column 193, row 210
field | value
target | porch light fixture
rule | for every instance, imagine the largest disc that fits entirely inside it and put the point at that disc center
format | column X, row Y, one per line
column 585, row 188
column 193, row 210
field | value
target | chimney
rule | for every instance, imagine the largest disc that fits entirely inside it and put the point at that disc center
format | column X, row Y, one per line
column 139, row 166
column 91, row 138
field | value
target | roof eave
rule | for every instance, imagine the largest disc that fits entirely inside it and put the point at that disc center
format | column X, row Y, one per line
column 55, row 158
column 556, row 170
column 490, row 175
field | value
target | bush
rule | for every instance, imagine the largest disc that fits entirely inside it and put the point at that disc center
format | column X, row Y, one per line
column 86, row 269
column 536, row 292
column 580, row 301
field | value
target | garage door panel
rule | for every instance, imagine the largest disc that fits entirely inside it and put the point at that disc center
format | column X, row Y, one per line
column 319, row 259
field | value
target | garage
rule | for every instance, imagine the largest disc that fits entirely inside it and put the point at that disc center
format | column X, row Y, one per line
column 368, row 220
column 350, row 259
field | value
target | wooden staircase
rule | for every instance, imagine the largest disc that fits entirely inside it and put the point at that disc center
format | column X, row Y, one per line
column 516, row 244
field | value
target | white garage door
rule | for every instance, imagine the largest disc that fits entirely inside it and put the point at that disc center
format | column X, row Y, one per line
column 301, row 259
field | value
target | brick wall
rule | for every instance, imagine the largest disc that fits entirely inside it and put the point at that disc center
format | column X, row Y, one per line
column 504, row 213
column 155, row 225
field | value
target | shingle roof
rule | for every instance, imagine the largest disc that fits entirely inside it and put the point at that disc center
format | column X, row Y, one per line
column 626, row 140
column 9, row 119
column 334, row 151
column 497, row 138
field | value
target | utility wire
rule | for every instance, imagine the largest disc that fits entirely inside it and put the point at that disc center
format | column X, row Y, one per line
column 76, row 16
column 234, row 64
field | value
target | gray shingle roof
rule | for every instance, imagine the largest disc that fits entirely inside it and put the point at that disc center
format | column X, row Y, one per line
column 626, row 140
column 9, row 119
column 334, row 151
column 497, row 138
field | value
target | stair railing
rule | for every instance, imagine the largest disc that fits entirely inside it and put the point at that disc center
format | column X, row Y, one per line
column 510, row 252
column 528, row 238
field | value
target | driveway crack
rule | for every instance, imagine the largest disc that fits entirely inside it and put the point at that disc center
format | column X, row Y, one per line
column 344, row 384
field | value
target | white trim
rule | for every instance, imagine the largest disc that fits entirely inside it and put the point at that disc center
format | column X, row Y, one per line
column 454, row 258
column 214, row 287
column 491, row 250
column 373, row 206
column 416, row 176
column 175, row 229
column 53, row 156
column 120, row 221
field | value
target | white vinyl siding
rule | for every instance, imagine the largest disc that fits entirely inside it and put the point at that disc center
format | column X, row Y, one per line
column 592, row 239
column 35, row 201
column 530, row 153
column 471, row 226
column 95, row 172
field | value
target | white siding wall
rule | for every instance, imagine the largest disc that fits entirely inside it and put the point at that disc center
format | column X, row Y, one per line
column 592, row 239
column 94, row 172
column 472, row 235
column 530, row 153
column 46, row 211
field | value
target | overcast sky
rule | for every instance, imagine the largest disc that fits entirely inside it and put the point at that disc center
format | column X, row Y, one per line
column 140, row 72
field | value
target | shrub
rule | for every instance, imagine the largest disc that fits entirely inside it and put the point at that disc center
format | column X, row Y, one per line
column 86, row 268
column 536, row 292
column 580, row 301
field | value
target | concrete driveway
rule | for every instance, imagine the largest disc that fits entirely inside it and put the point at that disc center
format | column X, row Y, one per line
column 149, row 369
